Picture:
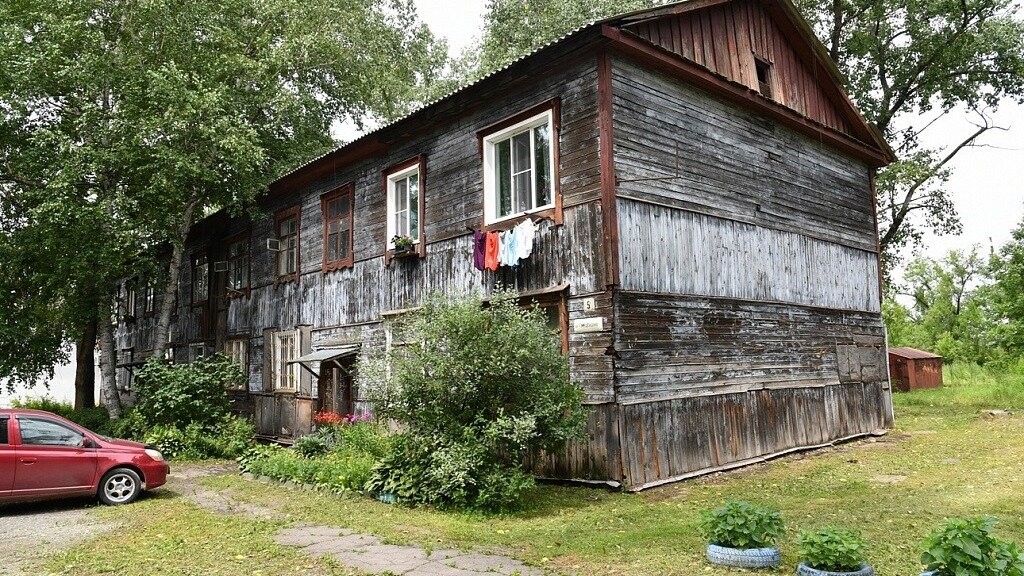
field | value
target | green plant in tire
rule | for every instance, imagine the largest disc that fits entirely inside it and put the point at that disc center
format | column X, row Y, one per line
column 831, row 551
column 738, row 524
column 967, row 547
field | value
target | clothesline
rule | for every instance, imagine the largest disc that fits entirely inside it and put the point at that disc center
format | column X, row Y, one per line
column 506, row 248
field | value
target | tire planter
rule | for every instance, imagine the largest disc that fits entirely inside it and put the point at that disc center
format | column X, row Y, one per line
column 744, row 557
column 805, row 570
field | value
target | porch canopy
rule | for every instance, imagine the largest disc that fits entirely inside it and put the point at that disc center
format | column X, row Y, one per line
column 332, row 355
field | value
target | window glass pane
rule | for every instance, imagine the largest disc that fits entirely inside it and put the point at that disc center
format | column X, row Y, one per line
column 333, row 208
column 200, row 279
column 332, row 247
column 343, row 241
column 344, row 205
column 3, row 431
column 503, row 163
column 288, row 227
column 401, row 195
column 542, row 164
column 38, row 432
column 522, row 187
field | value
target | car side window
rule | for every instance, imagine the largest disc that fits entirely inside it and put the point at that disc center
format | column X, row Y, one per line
column 40, row 432
column 3, row 430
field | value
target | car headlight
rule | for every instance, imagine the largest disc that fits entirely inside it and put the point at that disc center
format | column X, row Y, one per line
column 154, row 454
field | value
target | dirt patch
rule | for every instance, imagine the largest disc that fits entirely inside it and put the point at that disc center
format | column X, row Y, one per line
column 35, row 530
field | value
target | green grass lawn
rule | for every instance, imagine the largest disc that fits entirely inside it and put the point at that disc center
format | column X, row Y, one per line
column 945, row 458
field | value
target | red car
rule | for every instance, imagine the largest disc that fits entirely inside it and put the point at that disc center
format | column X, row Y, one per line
column 44, row 456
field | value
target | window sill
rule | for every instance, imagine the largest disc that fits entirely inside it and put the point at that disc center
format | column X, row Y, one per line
column 553, row 213
column 286, row 391
column 340, row 265
column 287, row 279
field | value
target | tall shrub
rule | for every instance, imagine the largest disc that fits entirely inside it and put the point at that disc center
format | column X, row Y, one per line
column 477, row 388
column 181, row 394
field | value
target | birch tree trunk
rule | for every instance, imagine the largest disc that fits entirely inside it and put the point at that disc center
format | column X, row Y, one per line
column 163, row 326
column 108, row 362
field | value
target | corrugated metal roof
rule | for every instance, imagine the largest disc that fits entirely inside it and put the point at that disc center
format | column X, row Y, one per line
column 912, row 353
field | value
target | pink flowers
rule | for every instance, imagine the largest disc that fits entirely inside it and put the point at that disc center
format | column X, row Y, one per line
column 325, row 417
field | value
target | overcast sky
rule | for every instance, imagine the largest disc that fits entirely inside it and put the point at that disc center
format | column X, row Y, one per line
column 987, row 186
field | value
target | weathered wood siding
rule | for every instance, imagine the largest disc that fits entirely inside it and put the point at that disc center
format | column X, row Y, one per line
column 725, row 38
column 674, row 439
column 747, row 322
column 682, row 148
column 674, row 251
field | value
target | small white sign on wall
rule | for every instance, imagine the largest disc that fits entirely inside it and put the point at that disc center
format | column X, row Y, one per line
column 583, row 325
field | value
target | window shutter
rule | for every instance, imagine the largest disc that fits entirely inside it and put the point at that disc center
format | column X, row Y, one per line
column 305, row 347
column 268, row 360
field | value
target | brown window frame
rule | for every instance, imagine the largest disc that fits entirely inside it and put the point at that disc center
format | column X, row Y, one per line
column 420, row 162
column 349, row 261
column 193, row 261
column 553, row 213
column 245, row 237
column 280, row 217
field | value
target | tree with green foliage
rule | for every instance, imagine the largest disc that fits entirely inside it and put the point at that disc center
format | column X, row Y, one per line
column 1008, row 291
column 952, row 312
column 124, row 122
column 477, row 389
column 514, row 28
column 907, row 63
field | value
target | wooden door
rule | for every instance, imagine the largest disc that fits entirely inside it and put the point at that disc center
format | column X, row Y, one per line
column 335, row 386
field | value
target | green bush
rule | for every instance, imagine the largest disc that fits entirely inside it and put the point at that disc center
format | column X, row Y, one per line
column 230, row 438
column 831, row 549
column 181, row 394
column 95, row 419
column 743, row 525
column 310, row 445
column 967, row 547
column 339, row 472
column 485, row 387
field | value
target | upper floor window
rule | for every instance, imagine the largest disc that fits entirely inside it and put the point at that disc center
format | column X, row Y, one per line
column 518, row 168
column 287, row 228
column 200, row 278
column 238, row 264
column 149, row 298
column 404, row 196
column 129, row 299
column 337, row 211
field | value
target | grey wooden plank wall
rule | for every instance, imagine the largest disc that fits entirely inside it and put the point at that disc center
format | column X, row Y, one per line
column 670, row 439
column 672, row 346
column 673, row 251
column 679, row 146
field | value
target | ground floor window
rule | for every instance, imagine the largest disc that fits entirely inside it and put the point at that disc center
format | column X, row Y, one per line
column 286, row 348
column 238, row 350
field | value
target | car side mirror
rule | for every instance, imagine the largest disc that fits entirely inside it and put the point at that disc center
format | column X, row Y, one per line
column 88, row 443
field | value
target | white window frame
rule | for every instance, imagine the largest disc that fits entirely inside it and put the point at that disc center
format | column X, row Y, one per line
column 490, row 180
column 285, row 373
column 238, row 350
column 392, row 207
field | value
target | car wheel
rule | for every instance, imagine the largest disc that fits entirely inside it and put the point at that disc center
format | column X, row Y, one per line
column 120, row 486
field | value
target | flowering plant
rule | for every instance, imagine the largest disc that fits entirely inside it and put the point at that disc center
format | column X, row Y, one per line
column 325, row 417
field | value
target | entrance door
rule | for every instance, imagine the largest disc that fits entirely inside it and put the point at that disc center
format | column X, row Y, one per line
column 335, row 385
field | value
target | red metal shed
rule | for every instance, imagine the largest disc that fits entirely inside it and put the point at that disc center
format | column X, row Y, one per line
column 913, row 369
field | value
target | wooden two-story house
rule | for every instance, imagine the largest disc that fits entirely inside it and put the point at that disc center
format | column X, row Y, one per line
column 706, row 243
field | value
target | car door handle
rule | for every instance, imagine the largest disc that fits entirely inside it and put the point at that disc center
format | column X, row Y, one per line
column 28, row 460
